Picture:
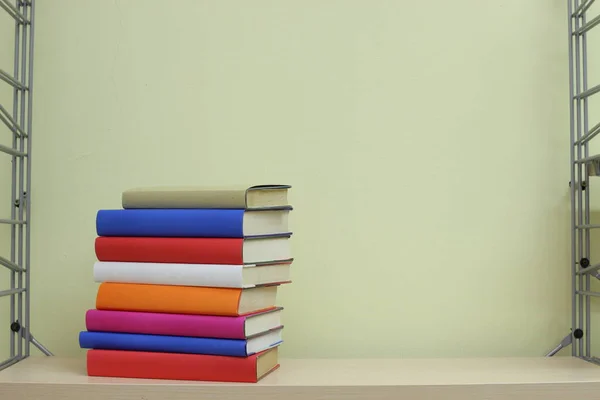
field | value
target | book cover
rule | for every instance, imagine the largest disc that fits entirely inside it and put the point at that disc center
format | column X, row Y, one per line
column 177, row 366
column 209, row 275
column 192, row 222
column 179, row 344
column 241, row 327
column 232, row 196
column 184, row 299
column 194, row 250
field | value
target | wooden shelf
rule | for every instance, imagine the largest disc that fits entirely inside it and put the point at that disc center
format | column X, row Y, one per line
column 56, row 378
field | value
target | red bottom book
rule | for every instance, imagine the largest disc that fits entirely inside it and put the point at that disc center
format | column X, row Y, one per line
column 178, row 366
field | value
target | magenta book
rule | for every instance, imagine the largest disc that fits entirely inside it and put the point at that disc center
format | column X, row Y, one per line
column 211, row 326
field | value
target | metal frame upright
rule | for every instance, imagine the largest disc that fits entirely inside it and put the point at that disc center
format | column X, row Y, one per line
column 583, row 166
column 19, row 124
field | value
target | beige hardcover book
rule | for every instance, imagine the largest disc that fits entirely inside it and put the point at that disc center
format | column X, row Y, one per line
column 239, row 197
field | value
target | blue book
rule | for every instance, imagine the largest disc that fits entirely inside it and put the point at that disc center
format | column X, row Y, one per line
column 179, row 344
column 224, row 223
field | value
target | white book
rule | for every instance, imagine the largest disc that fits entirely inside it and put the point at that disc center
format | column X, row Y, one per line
column 208, row 275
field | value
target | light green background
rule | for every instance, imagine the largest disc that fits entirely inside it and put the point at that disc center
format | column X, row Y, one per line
column 426, row 142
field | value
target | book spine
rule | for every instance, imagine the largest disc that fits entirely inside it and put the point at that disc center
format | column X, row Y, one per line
column 171, row 250
column 170, row 223
column 171, row 366
column 212, row 275
column 223, row 199
column 161, row 343
column 165, row 324
column 168, row 299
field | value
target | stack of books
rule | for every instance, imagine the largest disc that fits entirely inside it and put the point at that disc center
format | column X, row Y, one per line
column 188, row 284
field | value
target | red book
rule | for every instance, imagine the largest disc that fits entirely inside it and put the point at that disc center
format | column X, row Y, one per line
column 194, row 250
column 179, row 366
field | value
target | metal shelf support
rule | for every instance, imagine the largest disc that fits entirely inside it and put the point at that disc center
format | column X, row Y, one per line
column 6, row 77
column 11, row 123
column 582, row 8
column 587, row 27
column 12, row 151
column 19, row 124
column 13, row 11
column 583, row 166
column 589, row 135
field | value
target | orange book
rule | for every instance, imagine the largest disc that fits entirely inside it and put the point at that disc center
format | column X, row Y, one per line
column 185, row 299
column 179, row 366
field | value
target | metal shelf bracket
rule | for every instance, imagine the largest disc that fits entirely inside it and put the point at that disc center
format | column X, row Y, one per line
column 19, row 122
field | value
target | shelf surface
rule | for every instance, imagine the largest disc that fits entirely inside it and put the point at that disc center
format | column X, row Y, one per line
column 54, row 378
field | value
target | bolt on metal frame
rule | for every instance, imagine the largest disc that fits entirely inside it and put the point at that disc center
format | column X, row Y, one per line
column 583, row 166
column 18, row 123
